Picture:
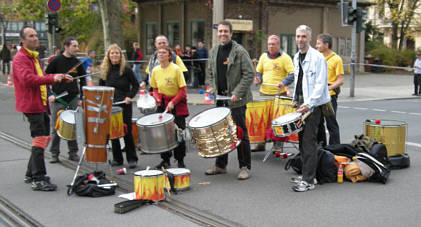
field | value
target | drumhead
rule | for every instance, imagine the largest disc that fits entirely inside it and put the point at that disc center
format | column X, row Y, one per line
column 386, row 123
column 154, row 119
column 97, row 88
column 288, row 117
column 148, row 173
column 68, row 116
column 209, row 117
column 179, row 171
column 116, row 109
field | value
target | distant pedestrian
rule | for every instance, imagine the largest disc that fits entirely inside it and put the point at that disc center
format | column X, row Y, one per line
column 57, row 51
column 202, row 52
column 417, row 75
column 6, row 57
column 13, row 51
column 88, row 63
column 137, row 56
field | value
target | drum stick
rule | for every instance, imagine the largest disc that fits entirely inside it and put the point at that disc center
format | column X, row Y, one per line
column 160, row 116
column 223, row 97
column 121, row 102
column 268, row 84
column 74, row 67
column 62, row 94
column 90, row 74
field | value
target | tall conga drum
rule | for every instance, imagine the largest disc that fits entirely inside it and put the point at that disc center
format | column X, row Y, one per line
column 258, row 118
column 97, row 103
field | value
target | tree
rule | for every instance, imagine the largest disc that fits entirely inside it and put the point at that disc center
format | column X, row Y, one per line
column 5, row 14
column 400, row 14
column 110, row 15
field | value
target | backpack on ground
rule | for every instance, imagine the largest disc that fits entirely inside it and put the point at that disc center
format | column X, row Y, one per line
column 381, row 171
column 101, row 186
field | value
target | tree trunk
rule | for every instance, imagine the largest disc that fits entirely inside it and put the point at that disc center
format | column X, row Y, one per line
column 395, row 37
column 110, row 14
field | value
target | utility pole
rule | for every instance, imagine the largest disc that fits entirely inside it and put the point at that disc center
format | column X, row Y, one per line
column 353, row 47
column 218, row 15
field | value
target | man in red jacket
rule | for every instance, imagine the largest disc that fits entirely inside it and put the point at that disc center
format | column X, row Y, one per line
column 31, row 99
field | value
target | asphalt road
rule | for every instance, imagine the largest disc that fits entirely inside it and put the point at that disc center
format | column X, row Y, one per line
column 264, row 200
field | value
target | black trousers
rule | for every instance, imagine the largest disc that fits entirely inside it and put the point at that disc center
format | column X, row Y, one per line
column 202, row 73
column 128, row 138
column 417, row 84
column 243, row 150
column 39, row 125
column 331, row 124
column 308, row 144
column 180, row 150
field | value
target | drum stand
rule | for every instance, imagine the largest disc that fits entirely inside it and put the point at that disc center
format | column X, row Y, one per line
column 282, row 153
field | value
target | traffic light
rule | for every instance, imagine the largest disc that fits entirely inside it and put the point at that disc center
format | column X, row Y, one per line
column 352, row 16
column 361, row 19
column 52, row 22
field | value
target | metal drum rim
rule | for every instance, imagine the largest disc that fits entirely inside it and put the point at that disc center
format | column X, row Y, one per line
column 208, row 126
column 98, row 88
column 159, row 124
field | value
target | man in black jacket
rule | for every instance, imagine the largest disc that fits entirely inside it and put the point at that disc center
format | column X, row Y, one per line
column 65, row 63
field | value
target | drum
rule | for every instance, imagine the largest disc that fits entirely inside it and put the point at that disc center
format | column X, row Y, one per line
column 181, row 178
column 135, row 132
column 287, row 124
column 391, row 133
column 157, row 134
column 149, row 185
column 116, row 124
column 282, row 106
column 258, row 118
column 97, row 102
column 66, row 127
column 214, row 132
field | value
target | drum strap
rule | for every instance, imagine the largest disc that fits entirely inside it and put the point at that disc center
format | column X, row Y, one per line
column 66, row 104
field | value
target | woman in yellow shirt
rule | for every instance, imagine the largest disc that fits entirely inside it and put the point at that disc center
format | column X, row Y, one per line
column 170, row 92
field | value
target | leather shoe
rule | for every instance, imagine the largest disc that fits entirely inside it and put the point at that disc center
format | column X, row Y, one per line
column 165, row 164
column 244, row 174
column 115, row 163
column 74, row 157
column 215, row 170
column 132, row 164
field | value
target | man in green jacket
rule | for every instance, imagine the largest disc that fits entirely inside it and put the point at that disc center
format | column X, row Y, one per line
column 231, row 73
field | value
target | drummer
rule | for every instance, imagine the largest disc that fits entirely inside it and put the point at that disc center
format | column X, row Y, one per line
column 170, row 92
column 65, row 63
column 115, row 73
column 274, row 67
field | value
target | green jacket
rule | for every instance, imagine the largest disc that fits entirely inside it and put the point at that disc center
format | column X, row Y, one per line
column 240, row 74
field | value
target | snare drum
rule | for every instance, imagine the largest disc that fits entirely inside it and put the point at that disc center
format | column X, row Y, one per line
column 214, row 132
column 258, row 118
column 157, row 134
column 149, row 185
column 181, row 178
column 287, row 124
column 116, row 124
column 391, row 133
column 282, row 106
column 135, row 132
column 66, row 127
column 97, row 102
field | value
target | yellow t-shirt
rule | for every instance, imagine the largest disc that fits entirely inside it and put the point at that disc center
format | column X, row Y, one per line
column 168, row 80
column 334, row 69
column 178, row 62
column 43, row 88
column 274, row 71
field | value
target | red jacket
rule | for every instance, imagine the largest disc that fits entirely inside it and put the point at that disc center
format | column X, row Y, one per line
column 27, row 83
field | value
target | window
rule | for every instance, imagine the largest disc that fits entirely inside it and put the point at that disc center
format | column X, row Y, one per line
column 288, row 44
column 173, row 33
column 197, row 32
column 151, row 33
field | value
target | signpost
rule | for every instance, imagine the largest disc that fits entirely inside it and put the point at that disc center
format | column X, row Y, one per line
column 54, row 6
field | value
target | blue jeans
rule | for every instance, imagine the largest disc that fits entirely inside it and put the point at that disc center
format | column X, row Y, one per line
column 136, row 71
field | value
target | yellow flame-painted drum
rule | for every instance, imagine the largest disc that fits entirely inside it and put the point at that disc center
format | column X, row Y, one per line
column 214, row 132
column 149, row 185
column 258, row 118
column 116, row 124
column 391, row 133
column 66, row 129
column 181, row 178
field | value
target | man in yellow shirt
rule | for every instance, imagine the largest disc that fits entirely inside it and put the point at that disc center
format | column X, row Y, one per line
column 161, row 40
column 275, row 67
column 335, row 79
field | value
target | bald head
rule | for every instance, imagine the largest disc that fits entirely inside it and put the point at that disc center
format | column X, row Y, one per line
column 161, row 41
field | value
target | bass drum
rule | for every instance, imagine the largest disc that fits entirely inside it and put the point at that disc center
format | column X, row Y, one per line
column 391, row 133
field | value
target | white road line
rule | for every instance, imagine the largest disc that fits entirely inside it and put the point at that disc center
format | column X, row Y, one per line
column 413, row 144
column 344, row 107
column 360, row 108
column 418, row 114
column 380, row 110
column 398, row 112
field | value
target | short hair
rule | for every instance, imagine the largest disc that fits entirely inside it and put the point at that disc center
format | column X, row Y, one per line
column 226, row 23
column 90, row 52
column 22, row 31
column 275, row 37
column 304, row 28
column 68, row 41
column 325, row 38
column 167, row 48
column 163, row 36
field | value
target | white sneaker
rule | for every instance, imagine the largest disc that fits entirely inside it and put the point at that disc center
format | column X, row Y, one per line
column 298, row 179
column 303, row 186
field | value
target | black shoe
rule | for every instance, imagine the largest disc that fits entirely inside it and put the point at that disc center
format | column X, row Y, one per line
column 165, row 164
column 115, row 163
column 54, row 159
column 74, row 157
column 180, row 164
column 132, row 164
column 28, row 180
column 43, row 185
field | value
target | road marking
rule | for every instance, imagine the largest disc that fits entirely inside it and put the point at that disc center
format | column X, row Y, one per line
column 344, row 107
column 398, row 112
column 413, row 144
column 380, row 110
column 418, row 114
column 360, row 108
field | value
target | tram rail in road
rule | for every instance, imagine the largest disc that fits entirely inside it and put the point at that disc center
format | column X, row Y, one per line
column 14, row 215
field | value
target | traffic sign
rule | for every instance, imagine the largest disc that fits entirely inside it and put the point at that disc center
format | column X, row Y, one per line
column 54, row 5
